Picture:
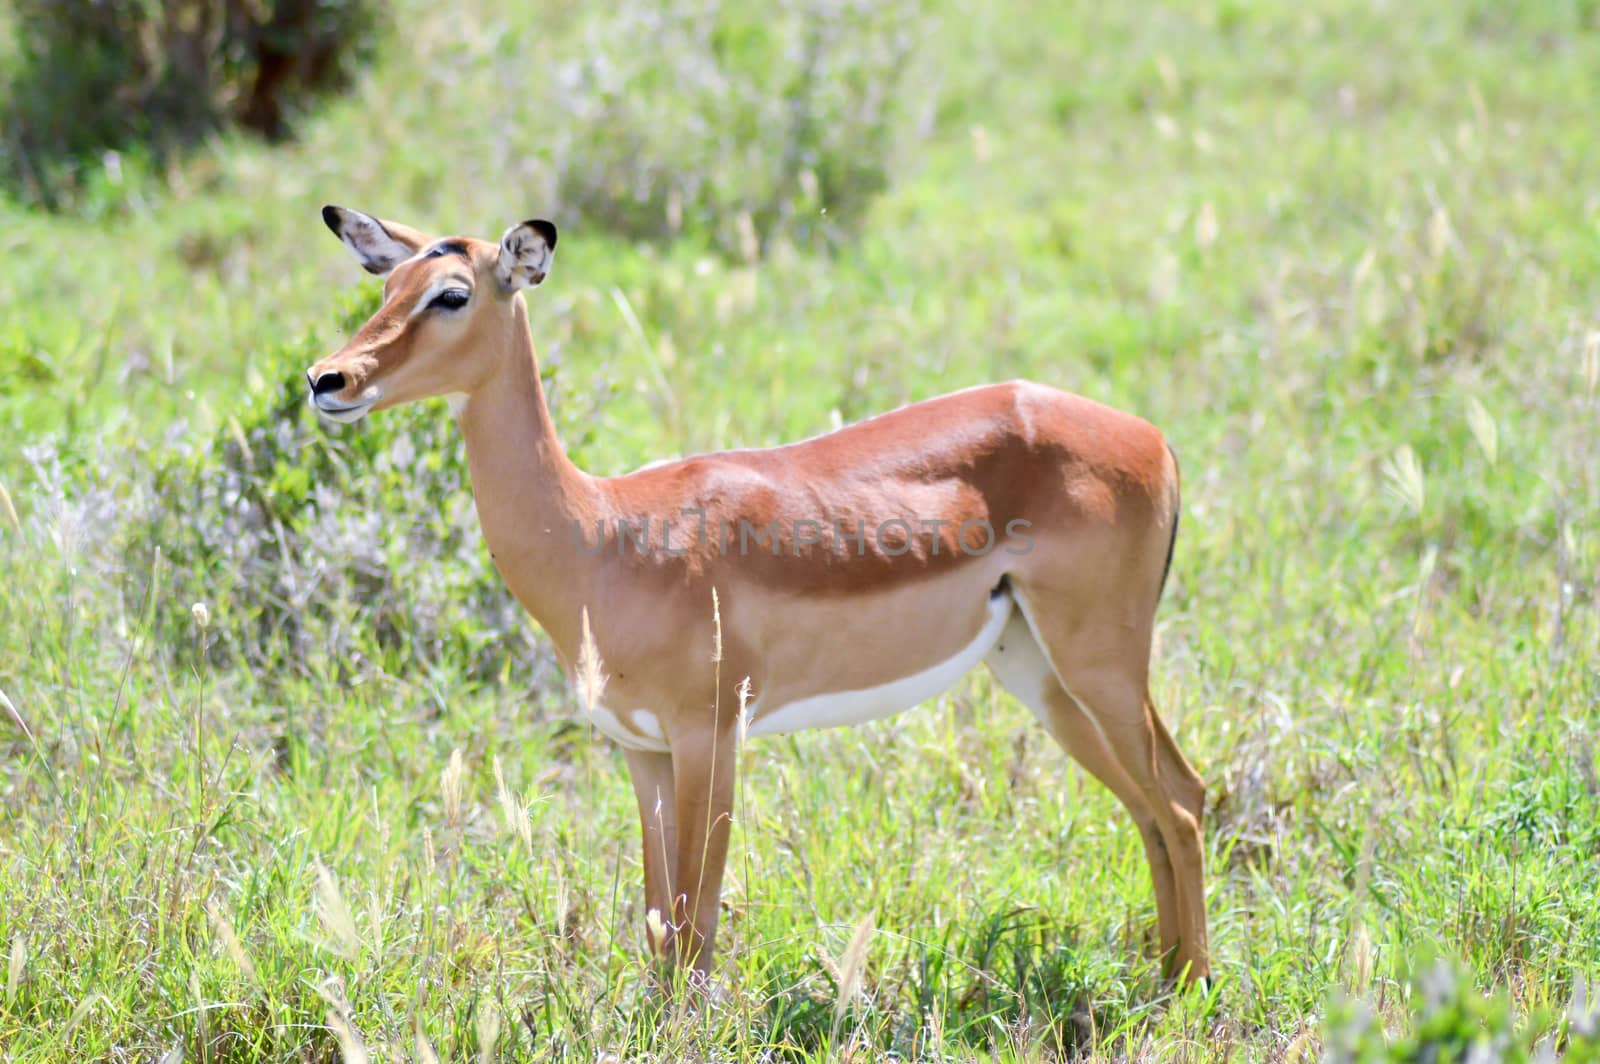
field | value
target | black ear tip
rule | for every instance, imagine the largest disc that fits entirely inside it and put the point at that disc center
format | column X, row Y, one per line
column 330, row 218
column 544, row 229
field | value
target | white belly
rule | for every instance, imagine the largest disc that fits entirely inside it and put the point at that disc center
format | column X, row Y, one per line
column 839, row 708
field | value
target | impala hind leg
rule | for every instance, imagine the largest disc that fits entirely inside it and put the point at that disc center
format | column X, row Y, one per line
column 1102, row 659
column 1021, row 668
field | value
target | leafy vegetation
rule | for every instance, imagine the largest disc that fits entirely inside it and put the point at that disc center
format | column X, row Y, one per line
column 286, row 773
column 1454, row 1022
column 92, row 80
column 741, row 121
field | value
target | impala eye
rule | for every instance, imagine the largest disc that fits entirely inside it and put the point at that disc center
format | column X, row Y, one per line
column 450, row 299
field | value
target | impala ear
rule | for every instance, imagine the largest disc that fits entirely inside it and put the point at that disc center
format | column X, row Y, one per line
column 379, row 246
column 526, row 253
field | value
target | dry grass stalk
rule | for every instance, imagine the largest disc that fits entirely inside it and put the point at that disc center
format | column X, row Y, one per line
column 591, row 677
column 1402, row 473
column 352, row 1047
column 656, row 929
column 1205, row 226
column 852, row 965
column 716, row 623
column 11, row 710
column 425, row 1053
column 8, row 511
column 744, row 709
column 1484, row 430
column 452, row 786
column 230, row 941
column 488, row 1032
column 16, row 966
column 513, row 810
column 85, row 1007
column 334, row 914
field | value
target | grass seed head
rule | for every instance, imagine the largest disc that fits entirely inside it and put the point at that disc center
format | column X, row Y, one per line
column 1205, row 226
column 563, row 898
column 8, row 511
column 852, row 965
column 1361, row 960
column 1439, row 233
column 716, row 627
column 375, row 922
column 15, row 967
column 513, row 810
column 749, row 240
column 452, row 784
column 1484, row 430
column 230, row 942
column 85, row 1007
column 591, row 675
column 1591, row 362
column 744, row 709
column 1403, row 476
column 11, row 711
column 655, row 929
column 488, row 1031
column 425, row 1053
column 1301, row 1047
column 335, row 914
column 352, row 1047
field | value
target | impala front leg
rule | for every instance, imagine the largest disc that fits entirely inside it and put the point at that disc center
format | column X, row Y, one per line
column 703, row 766
column 651, row 774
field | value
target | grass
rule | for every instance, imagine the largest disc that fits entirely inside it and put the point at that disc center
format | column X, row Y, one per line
column 1344, row 255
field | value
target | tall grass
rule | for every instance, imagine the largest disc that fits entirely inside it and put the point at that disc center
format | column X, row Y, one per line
column 349, row 808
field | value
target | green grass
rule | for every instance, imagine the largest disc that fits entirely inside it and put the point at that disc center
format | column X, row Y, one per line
column 1346, row 257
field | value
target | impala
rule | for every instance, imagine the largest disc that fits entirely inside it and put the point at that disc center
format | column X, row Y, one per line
column 857, row 574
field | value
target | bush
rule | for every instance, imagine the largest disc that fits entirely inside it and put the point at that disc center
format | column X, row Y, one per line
column 97, row 76
column 343, row 553
column 1451, row 1021
column 732, row 117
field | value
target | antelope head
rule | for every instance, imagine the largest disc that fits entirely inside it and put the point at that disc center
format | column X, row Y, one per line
column 449, row 306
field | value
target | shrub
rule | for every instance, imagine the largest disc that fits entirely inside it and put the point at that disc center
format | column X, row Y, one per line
column 93, row 76
column 306, row 538
column 732, row 117
column 1451, row 1021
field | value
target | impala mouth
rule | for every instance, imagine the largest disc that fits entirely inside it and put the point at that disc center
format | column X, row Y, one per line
column 341, row 412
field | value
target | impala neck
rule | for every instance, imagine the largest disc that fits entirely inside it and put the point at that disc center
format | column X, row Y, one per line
column 527, row 491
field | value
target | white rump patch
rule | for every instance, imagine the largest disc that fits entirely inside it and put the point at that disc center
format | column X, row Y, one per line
column 1019, row 664
column 645, row 733
column 841, row 708
column 1018, row 661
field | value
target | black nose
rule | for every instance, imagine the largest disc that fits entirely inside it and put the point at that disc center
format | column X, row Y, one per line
column 324, row 383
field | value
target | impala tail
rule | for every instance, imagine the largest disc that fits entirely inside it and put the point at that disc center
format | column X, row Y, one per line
column 1177, row 507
